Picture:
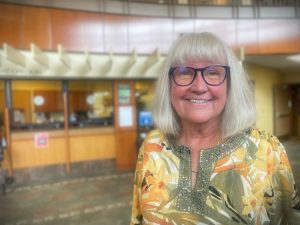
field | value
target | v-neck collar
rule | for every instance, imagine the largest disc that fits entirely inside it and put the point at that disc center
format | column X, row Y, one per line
column 192, row 199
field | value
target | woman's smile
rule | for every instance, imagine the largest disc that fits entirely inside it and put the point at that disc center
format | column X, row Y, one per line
column 199, row 100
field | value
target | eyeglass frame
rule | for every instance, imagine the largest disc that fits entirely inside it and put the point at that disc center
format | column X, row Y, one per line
column 227, row 73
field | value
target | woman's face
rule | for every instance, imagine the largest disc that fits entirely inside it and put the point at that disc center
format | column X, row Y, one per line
column 199, row 103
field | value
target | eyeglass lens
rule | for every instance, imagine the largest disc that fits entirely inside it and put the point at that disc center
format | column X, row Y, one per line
column 212, row 75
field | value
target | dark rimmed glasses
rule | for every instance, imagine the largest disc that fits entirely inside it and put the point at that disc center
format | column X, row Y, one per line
column 213, row 75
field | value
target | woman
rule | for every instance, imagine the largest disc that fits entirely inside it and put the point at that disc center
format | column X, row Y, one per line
column 205, row 163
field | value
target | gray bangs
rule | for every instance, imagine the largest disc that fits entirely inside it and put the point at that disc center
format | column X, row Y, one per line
column 201, row 48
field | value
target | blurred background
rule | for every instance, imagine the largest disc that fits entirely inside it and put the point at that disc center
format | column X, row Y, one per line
column 76, row 86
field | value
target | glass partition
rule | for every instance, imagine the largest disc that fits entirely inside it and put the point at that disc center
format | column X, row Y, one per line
column 90, row 103
column 144, row 92
column 37, row 105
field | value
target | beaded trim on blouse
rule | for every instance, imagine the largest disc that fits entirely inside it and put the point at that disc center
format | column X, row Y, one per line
column 193, row 199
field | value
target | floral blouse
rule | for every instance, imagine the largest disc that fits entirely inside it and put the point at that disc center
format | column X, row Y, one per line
column 245, row 180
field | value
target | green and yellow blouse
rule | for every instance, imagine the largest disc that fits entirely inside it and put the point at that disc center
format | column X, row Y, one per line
column 245, row 180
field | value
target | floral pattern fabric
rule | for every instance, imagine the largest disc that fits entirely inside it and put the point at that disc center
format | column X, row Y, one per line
column 245, row 180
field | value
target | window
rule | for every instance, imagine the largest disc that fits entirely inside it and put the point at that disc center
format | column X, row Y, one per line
column 90, row 103
column 37, row 104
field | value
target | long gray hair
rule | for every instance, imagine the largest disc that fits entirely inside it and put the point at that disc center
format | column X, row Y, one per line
column 239, row 112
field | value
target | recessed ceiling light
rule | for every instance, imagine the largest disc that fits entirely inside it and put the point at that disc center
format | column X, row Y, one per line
column 295, row 58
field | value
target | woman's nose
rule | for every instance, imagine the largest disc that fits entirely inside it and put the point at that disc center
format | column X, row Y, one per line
column 199, row 83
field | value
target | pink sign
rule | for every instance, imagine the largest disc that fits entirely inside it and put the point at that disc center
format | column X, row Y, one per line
column 41, row 140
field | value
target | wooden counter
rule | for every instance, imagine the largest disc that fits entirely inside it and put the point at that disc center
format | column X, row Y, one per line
column 85, row 144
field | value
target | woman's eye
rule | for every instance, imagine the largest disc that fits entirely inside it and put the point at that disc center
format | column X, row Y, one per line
column 185, row 73
column 213, row 72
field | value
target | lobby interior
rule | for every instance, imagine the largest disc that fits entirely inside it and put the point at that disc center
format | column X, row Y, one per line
column 83, row 172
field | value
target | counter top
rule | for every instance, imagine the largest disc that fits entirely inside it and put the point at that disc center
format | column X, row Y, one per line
column 60, row 133
column 36, row 127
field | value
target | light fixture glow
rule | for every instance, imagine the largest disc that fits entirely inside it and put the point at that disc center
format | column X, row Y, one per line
column 295, row 58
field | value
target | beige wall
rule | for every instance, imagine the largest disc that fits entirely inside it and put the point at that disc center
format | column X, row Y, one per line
column 264, row 80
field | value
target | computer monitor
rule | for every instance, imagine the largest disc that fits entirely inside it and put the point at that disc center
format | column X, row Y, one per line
column 145, row 119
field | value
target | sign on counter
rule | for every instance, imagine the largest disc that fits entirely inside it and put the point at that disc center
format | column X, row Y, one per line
column 41, row 140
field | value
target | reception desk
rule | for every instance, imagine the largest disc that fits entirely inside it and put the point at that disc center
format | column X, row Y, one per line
column 89, row 121
column 46, row 147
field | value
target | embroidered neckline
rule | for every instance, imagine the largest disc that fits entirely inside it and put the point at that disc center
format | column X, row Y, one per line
column 193, row 199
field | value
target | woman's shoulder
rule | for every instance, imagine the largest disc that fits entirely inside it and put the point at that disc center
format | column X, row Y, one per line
column 154, row 136
column 259, row 133
column 262, row 136
column 154, row 142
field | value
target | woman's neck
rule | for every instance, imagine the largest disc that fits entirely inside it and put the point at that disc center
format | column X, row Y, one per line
column 199, row 137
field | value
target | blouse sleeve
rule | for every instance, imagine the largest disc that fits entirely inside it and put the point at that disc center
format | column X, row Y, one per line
column 136, row 215
column 285, row 197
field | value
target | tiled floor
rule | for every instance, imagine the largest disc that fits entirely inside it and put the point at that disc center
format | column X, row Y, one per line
column 86, row 199
column 293, row 150
column 104, row 199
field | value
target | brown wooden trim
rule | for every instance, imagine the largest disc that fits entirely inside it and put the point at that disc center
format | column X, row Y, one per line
column 131, row 103
column 8, row 141
column 126, row 137
column 66, row 133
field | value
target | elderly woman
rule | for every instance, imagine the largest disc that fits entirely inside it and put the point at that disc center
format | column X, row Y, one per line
column 206, row 163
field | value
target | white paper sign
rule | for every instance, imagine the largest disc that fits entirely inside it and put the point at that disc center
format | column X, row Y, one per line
column 125, row 116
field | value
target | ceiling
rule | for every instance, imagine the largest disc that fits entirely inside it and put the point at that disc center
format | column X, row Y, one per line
column 280, row 62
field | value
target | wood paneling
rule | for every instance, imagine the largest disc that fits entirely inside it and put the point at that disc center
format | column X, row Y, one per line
column 100, row 32
column 21, row 100
column 126, row 136
column 279, row 36
column 146, row 34
column 247, row 35
column 26, row 155
column 85, row 144
column 36, row 27
column 2, row 101
column 225, row 29
column 10, row 25
column 77, row 31
column 116, row 34
column 7, row 133
column 78, row 101
column 181, row 26
column 92, row 147
column 126, row 149
column 53, row 101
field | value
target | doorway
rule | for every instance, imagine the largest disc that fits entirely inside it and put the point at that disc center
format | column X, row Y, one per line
column 283, row 110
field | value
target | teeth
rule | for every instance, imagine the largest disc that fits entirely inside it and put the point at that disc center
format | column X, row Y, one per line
column 198, row 100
